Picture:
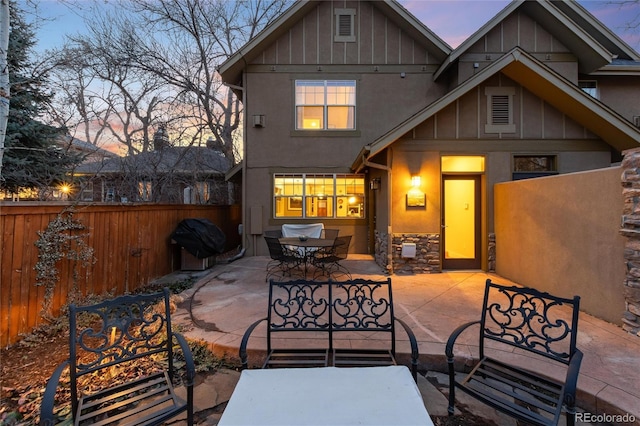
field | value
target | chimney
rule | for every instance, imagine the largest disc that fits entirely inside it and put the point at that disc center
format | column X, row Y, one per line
column 160, row 138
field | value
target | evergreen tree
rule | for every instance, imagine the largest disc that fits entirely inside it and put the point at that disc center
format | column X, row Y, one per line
column 32, row 158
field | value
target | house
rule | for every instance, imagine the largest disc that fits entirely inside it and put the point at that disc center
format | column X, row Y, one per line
column 168, row 174
column 360, row 117
column 87, row 151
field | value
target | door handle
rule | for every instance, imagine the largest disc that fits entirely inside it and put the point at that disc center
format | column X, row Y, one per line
column 443, row 226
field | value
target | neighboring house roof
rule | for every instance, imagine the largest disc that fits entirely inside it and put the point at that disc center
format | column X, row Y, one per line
column 232, row 68
column 595, row 45
column 89, row 150
column 539, row 79
column 184, row 160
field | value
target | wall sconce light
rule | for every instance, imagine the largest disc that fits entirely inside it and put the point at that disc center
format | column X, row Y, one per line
column 374, row 184
column 415, row 197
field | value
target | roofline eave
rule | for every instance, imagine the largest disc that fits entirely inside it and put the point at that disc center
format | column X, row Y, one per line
column 626, row 134
column 581, row 35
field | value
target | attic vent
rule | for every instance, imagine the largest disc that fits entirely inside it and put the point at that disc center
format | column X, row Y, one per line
column 344, row 26
column 500, row 109
column 345, row 22
column 636, row 120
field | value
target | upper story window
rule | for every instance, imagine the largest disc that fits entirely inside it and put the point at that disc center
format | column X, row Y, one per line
column 325, row 104
column 589, row 86
column 529, row 166
column 345, row 25
column 500, row 110
column 318, row 195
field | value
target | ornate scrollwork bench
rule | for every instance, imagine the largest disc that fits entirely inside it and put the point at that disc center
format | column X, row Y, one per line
column 328, row 317
column 537, row 328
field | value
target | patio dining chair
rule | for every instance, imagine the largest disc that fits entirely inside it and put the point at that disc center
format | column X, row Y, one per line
column 122, row 365
column 273, row 233
column 283, row 261
column 327, row 261
column 329, row 234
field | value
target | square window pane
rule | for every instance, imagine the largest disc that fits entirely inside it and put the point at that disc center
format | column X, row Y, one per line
column 341, row 93
column 310, row 92
column 341, row 117
column 310, row 118
column 319, row 185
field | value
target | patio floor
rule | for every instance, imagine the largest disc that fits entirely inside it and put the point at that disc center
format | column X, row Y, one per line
column 229, row 297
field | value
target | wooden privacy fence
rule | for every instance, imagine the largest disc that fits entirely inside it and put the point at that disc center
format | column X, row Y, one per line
column 131, row 243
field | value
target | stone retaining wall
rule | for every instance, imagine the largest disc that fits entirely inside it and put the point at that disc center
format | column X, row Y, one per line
column 631, row 230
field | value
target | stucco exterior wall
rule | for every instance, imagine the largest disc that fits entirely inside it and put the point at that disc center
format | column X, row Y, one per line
column 518, row 29
column 389, row 68
column 561, row 234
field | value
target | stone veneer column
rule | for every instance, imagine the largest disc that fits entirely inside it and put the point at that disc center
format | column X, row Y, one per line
column 491, row 253
column 631, row 230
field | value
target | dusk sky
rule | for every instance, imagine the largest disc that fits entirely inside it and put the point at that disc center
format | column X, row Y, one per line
column 452, row 20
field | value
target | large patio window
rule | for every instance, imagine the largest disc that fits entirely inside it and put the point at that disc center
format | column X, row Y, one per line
column 318, row 195
column 325, row 104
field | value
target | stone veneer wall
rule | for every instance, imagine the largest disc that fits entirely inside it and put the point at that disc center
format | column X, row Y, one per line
column 427, row 258
column 631, row 230
column 491, row 253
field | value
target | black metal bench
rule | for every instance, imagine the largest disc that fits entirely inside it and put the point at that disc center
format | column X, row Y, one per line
column 108, row 342
column 328, row 315
column 535, row 325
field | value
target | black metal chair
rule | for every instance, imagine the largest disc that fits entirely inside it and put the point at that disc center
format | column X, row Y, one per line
column 277, row 233
column 329, row 234
column 110, row 343
column 326, row 313
column 283, row 260
column 327, row 261
column 522, row 321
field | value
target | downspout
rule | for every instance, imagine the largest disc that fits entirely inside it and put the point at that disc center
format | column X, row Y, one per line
column 244, row 161
column 387, row 168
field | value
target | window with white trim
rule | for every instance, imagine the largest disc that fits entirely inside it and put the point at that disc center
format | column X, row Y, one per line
column 589, row 87
column 345, row 25
column 338, row 196
column 500, row 110
column 325, row 104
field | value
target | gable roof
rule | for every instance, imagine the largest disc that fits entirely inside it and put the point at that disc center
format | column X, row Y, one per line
column 232, row 68
column 185, row 160
column 543, row 82
column 595, row 45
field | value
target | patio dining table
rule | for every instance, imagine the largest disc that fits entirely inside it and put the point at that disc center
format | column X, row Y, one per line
column 326, row 396
column 308, row 247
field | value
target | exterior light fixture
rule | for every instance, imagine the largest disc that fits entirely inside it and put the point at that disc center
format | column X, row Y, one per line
column 415, row 197
column 374, row 184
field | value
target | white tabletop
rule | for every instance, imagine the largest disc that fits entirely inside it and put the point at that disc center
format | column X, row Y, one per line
column 326, row 396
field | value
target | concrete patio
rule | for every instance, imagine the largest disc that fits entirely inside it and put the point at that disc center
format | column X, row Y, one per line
column 226, row 299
